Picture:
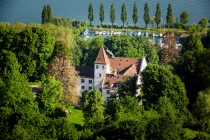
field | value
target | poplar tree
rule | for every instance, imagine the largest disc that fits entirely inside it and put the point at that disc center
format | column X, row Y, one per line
column 135, row 13
column 158, row 15
column 44, row 14
column 101, row 14
column 146, row 14
column 49, row 13
column 169, row 17
column 90, row 13
column 123, row 14
column 112, row 14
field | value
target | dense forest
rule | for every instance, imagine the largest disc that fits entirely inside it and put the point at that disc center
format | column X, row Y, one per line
column 175, row 91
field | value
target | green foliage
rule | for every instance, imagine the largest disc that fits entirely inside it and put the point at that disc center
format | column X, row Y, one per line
column 51, row 95
column 112, row 14
column 90, row 13
column 135, row 13
column 169, row 17
column 44, row 14
column 133, row 47
column 146, row 14
column 49, row 13
column 62, row 22
column 158, row 14
column 128, row 87
column 93, row 109
column 167, row 125
column 204, row 22
column 202, row 109
column 101, row 14
column 184, row 17
column 159, row 81
column 193, row 42
column 123, row 14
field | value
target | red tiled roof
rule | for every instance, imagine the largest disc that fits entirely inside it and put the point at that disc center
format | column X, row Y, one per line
column 102, row 57
column 110, row 80
column 125, row 66
column 85, row 71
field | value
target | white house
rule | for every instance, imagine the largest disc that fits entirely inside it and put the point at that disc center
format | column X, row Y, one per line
column 108, row 73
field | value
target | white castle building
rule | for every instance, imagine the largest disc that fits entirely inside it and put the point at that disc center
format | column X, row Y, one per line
column 108, row 73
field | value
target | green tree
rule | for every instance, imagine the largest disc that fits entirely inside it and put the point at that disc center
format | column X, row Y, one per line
column 101, row 14
column 93, row 108
column 17, row 101
column 184, row 17
column 123, row 14
column 49, row 13
column 146, row 14
column 168, row 124
column 159, row 81
column 51, row 95
column 201, row 109
column 44, row 14
column 135, row 13
column 169, row 17
column 112, row 14
column 90, row 13
column 204, row 22
column 158, row 15
column 152, row 21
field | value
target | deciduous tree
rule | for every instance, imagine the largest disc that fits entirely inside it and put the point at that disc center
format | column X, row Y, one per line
column 90, row 13
column 123, row 14
column 184, row 17
column 146, row 14
column 101, row 14
column 93, row 108
column 135, row 13
column 159, row 81
column 158, row 14
column 169, row 17
column 112, row 14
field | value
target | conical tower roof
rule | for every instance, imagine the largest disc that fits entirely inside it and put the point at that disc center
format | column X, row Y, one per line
column 102, row 57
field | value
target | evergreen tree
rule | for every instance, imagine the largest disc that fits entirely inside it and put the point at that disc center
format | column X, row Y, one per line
column 158, row 14
column 90, row 13
column 135, row 13
column 169, row 17
column 101, row 14
column 49, row 13
column 184, row 17
column 123, row 14
column 44, row 14
column 112, row 14
column 146, row 14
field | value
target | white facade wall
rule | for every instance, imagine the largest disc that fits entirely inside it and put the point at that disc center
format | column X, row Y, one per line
column 105, row 94
column 99, row 73
column 86, row 84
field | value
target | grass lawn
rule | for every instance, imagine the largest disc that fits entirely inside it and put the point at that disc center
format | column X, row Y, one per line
column 76, row 116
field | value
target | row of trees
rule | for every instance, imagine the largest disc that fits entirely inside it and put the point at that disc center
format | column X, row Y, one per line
column 170, row 19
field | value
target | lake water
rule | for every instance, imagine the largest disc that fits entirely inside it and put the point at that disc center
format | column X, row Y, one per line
column 28, row 11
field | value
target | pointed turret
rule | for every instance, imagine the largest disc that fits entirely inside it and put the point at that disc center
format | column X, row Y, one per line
column 102, row 57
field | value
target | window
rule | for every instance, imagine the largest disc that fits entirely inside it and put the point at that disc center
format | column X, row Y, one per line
column 82, row 80
column 99, row 75
column 96, row 66
column 90, row 88
column 82, row 87
column 90, row 81
column 103, row 67
column 100, row 89
column 107, row 92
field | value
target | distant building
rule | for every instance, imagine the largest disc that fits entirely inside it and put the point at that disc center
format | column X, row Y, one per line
column 108, row 73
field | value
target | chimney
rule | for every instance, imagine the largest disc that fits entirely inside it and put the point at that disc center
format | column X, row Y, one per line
column 115, row 72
